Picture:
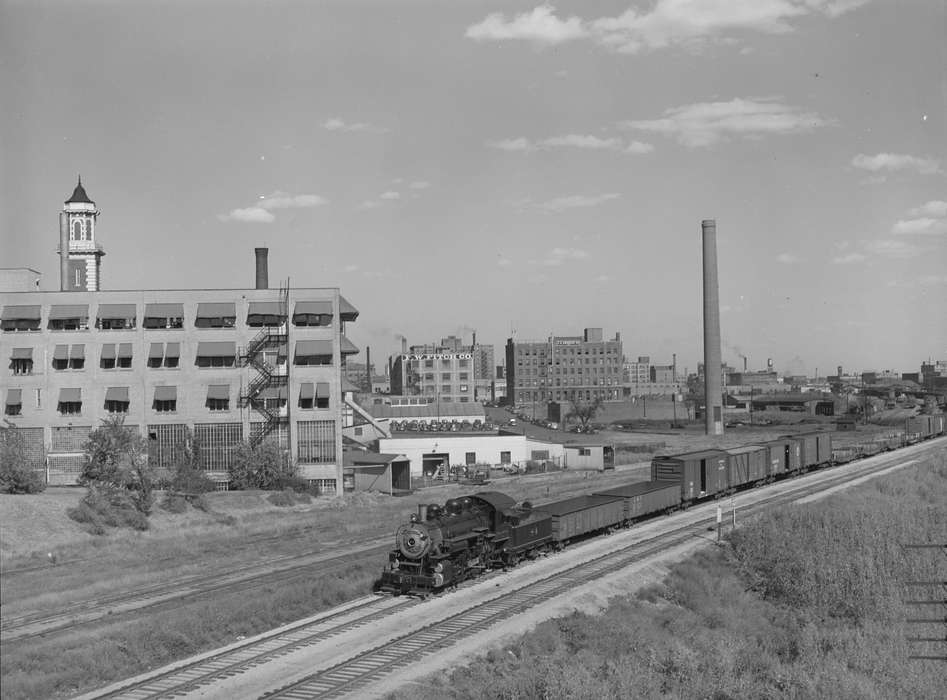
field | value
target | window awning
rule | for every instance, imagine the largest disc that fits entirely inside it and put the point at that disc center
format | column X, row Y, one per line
column 322, row 390
column 313, row 308
column 273, row 392
column 77, row 352
column 156, row 351
column 172, row 350
column 347, row 312
column 347, row 347
column 219, row 348
column 22, row 354
column 164, row 310
column 116, row 311
column 108, row 351
column 217, row 310
column 124, row 350
column 310, row 348
column 70, row 395
column 218, row 392
column 58, row 312
column 117, row 393
column 14, row 397
column 61, row 352
column 21, row 313
column 166, row 393
column 306, row 391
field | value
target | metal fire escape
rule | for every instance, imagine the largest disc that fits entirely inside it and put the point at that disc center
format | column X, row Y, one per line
column 271, row 380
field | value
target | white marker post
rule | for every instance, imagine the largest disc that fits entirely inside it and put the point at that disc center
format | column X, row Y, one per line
column 719, row 521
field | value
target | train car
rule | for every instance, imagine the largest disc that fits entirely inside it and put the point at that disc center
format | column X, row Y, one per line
column 938, row 424
column 583, row 515
column 443, row 545
column 645, row 498
column 746, row 465
column 784, row 456
column 815, row 449
column 699, row 474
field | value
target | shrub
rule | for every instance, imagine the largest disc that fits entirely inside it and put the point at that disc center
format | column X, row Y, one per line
column 16, row 472
column 101, row 509
column 118, row 461
column 262, row 466
column 282, row 498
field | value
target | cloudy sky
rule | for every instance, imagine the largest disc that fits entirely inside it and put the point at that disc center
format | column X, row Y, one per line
column 495, row 166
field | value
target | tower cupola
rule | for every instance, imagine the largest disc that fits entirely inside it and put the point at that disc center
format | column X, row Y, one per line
column 80, row 254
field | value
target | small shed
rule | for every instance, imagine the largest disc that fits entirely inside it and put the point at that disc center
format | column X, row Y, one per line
column 588, row 456
column 373, row 471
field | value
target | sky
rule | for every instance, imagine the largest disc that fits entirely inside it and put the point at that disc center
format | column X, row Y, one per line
column 505, row 167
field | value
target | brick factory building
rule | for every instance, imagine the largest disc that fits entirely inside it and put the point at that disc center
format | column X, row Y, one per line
column 227, row 365
column 564, row 368
column 448, row 371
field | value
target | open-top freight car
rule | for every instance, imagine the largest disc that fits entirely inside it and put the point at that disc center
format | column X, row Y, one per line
column 583, row 515
column 699, row 474
column 645, row 498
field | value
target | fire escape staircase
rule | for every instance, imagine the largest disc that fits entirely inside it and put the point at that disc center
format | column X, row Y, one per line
column 267, row 376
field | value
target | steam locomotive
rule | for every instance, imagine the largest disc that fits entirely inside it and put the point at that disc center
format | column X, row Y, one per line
column 441, row 546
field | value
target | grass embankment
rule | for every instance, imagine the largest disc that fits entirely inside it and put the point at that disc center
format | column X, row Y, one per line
column 805, row 602
column 196, row 542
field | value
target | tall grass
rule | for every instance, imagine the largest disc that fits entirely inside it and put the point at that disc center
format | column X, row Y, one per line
column 804, row 602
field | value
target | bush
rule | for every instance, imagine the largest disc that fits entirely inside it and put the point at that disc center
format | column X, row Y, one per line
column 118, row 461
column 16, row 473
column 102, row 509
column 263, row 466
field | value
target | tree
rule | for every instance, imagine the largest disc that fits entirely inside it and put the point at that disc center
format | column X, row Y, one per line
column 118, row 462
column 584, row 411
column 263, row 466
column 16, row 472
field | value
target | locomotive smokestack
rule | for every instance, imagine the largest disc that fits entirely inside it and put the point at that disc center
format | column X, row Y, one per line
column 63, row 252
column 713, row 404
column 262, row 269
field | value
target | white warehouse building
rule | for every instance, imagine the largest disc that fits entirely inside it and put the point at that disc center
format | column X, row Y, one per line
column 427, row 453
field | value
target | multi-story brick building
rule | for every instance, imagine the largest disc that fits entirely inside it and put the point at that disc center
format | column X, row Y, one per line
column 564, row 368
column 224, row 365
column 448, row 371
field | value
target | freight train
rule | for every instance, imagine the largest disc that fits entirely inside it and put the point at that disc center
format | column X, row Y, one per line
column 441, row 546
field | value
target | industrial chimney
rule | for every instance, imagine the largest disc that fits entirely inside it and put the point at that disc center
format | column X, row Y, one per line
column 713, row 404
column 262, row 269
column 404, row 345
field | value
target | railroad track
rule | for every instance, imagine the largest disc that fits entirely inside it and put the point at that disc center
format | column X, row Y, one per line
column 177, row 592
column 365, row 668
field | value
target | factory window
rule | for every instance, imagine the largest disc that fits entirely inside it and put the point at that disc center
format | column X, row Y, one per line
column 447, row 399
column 22, row 365
column 219, row 315
column 464, row 387
column 445, row 376
column 463, row 376
column 464, row 363
column 316, row 442
column 585, row 452
column 165, row 406
column 218, row 442
column 445, row 388
column 70, row 408
column 465, row 399
column 445, row 363
column 470, row 458
column 324, row 487
column 218, row 404
column 116, row 406
column 429, row 364
column 215, row 361
column 429, row 377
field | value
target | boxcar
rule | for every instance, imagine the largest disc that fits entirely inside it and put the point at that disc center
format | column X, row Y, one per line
column 815, row 449
column 583, row 515
column 747, row 465
column 938, row 424
column 698, row 474
column 784, row 456
column 645, row 498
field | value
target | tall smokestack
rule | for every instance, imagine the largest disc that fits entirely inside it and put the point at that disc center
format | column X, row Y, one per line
column 713, row 405
column 404, row 345
column 368, row 368
column 262, row 269
column 63, row 252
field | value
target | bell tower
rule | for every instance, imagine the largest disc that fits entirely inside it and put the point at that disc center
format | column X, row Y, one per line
column 80, row 256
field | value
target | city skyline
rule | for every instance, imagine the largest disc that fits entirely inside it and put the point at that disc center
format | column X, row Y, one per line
column 488, row 167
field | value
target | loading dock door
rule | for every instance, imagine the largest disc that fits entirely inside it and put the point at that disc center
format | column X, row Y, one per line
column 703, row 476
column 433, row 461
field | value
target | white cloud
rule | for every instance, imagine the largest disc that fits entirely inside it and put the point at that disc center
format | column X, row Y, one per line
column 504, row 262
column 787, row 258
column 390, row 195
column 934, row 208
column 350, row 268
column 706, row 123
column 336, row 124
column 583, row 141
column 541, row 27
column 261, row 211
column 849, row 259
column 667, row 23
column 577, row 200
column 893, row 162
column 419, row 185
column 892, row 249
column 924, row 225
column 369, row 204
column 250, row 215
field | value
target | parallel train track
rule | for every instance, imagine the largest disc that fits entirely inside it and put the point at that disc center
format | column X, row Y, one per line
column 370, row 666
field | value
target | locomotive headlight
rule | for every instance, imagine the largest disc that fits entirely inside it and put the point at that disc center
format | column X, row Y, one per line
column 395, row 563
column 439, row 567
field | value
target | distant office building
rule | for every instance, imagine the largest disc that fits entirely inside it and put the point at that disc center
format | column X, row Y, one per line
column 448, row 371
column 564, row 368
column 19, row 279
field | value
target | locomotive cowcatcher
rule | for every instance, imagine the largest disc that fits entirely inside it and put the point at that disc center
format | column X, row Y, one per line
column 443, row 545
